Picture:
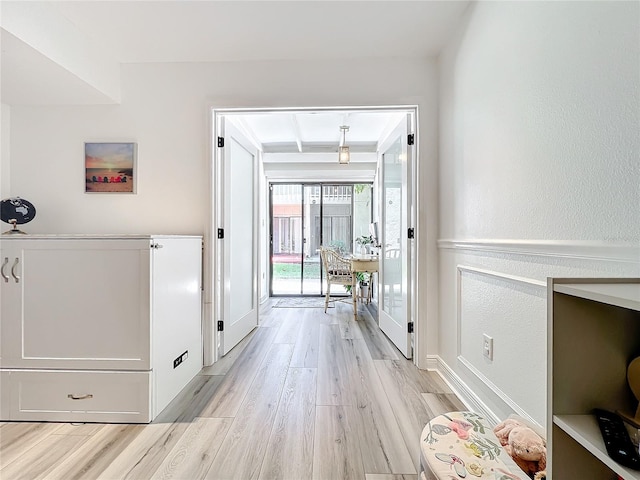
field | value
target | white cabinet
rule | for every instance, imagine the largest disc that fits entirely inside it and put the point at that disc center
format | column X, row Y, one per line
column 97, row 328
column 594, row 333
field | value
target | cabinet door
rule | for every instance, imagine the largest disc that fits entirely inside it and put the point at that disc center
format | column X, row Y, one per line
column 9, row 297
column 76, row 304
column 176, row 311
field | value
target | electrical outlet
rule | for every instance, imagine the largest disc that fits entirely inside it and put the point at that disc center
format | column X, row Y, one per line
column 177, row 361
column 487, row 346
column 180, row 359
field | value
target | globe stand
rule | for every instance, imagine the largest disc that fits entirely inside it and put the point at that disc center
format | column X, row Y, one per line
column 16, row 211
column 15, row 229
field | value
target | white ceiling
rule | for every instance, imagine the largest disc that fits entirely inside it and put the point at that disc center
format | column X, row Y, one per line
column 238, row 30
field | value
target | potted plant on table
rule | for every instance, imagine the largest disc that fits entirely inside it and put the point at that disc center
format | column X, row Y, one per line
column 365, row 242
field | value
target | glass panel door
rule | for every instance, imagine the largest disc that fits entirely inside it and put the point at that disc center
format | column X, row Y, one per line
column 362, row 209
column 337, row 229
column 394, row 300
column 286, row 239
column 312, row 207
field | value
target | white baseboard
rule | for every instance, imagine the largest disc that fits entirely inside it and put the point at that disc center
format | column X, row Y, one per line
column 432, row 363
column 461, row 389
column 500, row 395
column 470, row 399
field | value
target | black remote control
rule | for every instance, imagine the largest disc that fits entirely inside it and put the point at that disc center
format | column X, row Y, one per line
column 616, row 439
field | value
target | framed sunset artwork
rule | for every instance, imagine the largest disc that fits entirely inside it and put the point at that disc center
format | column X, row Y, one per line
column 110, row 167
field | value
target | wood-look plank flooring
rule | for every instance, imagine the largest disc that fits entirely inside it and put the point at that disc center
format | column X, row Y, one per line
column 307, row 395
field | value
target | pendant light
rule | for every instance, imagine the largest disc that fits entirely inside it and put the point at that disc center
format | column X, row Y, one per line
column 343, row 150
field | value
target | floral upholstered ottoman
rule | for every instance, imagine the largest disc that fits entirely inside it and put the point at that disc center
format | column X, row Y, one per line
column 462, row 445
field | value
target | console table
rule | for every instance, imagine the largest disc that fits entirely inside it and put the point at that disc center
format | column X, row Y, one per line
column 365, row 264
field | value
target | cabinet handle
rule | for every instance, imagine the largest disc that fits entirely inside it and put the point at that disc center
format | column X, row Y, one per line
column 73, row 396
column 13, row 270
column 4, row 264
column 156, row 245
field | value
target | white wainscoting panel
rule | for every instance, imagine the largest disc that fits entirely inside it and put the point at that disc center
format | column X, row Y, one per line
column 512, row 310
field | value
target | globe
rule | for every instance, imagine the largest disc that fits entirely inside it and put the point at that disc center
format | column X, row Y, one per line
column 16, row 211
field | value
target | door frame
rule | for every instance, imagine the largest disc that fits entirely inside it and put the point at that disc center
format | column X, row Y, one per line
column 210, row 250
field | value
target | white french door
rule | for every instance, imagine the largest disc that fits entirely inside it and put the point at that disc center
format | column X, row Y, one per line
column 237, row 252
column 396, row 197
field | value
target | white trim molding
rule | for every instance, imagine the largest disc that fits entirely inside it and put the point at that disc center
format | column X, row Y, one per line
column 624, row 252
column 504, row 276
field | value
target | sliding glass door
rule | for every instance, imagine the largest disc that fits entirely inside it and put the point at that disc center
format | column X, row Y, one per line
column 303, row 218
column 286, row 238
column 312, row 238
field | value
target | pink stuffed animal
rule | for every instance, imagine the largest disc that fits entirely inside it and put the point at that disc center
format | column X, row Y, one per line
column 525, row 446
column 503, row 429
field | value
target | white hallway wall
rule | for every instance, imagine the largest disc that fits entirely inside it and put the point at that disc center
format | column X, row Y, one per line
column 539, row 177
column 165, row 108
column 5, row 124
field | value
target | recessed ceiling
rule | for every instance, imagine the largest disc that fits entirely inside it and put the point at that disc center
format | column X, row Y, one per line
column 317, row 131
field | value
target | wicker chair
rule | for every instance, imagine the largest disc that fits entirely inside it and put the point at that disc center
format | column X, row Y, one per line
column 337, row 270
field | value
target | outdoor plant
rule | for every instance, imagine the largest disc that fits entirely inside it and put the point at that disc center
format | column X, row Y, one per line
column 361, row 277
column 338, row 245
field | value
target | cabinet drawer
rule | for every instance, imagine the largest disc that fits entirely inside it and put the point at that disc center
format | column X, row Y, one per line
column 78, row 396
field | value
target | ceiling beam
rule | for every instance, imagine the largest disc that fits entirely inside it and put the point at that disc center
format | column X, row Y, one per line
column 317, row 147
column 296, row 131
column 356, row 172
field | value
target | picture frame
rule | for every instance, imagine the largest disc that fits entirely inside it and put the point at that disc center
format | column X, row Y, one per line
column 110, row 167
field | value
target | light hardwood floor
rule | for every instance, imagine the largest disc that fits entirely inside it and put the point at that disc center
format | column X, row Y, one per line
column 308, row 395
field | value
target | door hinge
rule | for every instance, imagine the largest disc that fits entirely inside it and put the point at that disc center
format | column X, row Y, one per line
column 220, row 142
column 220, row 325
column 411, row 233
column 221, row 233
column 411, row 139
column 410, row 327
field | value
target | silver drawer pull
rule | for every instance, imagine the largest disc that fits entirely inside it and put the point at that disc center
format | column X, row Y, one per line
column 73, row 396
column 4, row 264
column 13, row 270
column 157, row 245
